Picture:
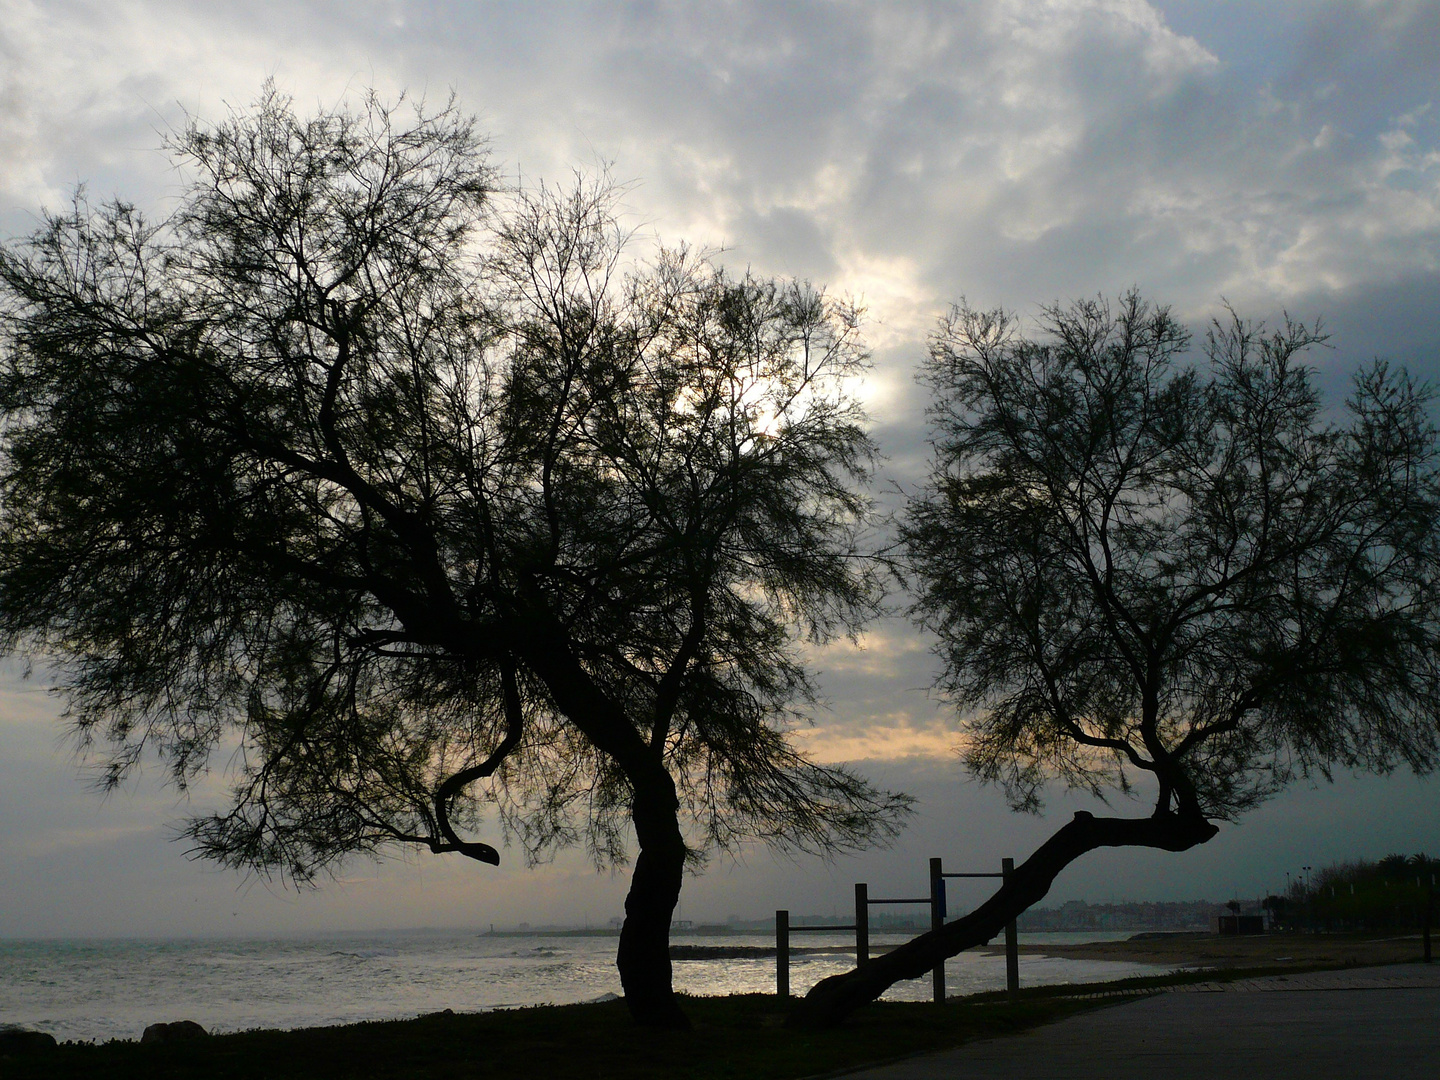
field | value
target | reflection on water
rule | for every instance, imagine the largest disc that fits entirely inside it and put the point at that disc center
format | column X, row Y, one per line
column 113, row 989
column 968, row 973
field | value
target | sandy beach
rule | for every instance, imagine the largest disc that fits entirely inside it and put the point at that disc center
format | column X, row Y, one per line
column 1260, row 950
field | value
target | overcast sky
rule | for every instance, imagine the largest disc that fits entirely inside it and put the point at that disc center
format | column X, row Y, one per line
column 1281, row 155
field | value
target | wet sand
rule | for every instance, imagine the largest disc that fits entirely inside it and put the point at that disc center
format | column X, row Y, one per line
column 1259, row 950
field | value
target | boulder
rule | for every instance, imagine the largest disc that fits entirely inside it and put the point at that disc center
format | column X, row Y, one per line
column 179, row 1031
column 16, row 1040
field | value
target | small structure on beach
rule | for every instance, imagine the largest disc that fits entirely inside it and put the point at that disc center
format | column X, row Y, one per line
column 1230, row 925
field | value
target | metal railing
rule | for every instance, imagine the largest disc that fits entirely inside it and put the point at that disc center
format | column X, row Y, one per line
column 938, row 915
column 783, row 930
column 861, row 926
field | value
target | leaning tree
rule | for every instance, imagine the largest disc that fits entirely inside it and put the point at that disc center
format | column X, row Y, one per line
column 415, row 491
column 1183, row 583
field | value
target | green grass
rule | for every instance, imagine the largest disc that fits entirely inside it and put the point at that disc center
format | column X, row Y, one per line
column 733, row 1037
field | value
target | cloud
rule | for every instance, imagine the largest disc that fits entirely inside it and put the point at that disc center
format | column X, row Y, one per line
column 893, row 736
column 907, row 153
column 96, row 838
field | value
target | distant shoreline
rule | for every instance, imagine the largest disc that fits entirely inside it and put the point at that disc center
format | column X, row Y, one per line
column 707, row 930
column 1205, row 949
column 753, row 931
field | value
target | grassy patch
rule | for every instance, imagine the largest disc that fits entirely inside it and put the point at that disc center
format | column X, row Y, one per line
column 734, row 1037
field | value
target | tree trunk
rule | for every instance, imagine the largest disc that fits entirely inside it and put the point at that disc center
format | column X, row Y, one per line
column 836, row 997
column 644, row 954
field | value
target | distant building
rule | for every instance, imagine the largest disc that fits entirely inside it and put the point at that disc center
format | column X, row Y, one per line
column 1229, row 925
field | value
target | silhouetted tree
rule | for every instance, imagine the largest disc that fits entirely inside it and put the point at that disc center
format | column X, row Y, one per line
column 399, row 484
column 1143, row 572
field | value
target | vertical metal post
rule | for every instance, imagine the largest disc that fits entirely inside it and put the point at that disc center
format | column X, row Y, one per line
column 1429, row 917
column 782, row 954
column 1012, row 943
column 937, row 920
column 862, row 924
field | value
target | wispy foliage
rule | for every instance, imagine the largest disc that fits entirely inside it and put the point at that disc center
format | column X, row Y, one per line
column 400, row 477
column 1137, row 566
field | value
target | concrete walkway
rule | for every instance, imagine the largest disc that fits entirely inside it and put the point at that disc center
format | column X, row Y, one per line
column 1360, row 1023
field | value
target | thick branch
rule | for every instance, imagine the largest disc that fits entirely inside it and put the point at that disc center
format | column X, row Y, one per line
column 668, row 693
column 1247, row 701
column 514, row 728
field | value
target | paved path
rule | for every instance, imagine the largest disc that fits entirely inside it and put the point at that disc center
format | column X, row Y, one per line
column 1360, row 1023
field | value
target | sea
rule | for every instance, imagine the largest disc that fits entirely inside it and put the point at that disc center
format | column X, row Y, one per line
column 96, row 990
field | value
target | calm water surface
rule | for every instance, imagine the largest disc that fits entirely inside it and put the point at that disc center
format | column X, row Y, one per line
column 103, row 989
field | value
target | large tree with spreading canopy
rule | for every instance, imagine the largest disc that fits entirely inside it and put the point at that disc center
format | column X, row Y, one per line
column 418, row 493
column 1183, row 582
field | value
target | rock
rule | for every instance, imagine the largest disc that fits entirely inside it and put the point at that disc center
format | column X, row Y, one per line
column 179, row 1031
column 16, row 1040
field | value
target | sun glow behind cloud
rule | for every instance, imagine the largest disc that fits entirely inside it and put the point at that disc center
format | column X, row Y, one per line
column 903, row 154
column 888, row 737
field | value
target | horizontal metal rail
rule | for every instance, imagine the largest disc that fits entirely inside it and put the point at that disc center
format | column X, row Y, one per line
column 861, row 929
column 939, row 913
column 783, row 930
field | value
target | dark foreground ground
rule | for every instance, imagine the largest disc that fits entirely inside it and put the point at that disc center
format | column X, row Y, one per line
column 742, row 1036
column 737, row 1037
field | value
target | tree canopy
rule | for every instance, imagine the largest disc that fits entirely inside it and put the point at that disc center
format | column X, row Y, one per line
column 435, row 500
column 1136, row 569
column 1189, row 583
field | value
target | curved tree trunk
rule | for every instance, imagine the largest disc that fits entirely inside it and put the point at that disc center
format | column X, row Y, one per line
column 836, row 997
column 644, row 954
